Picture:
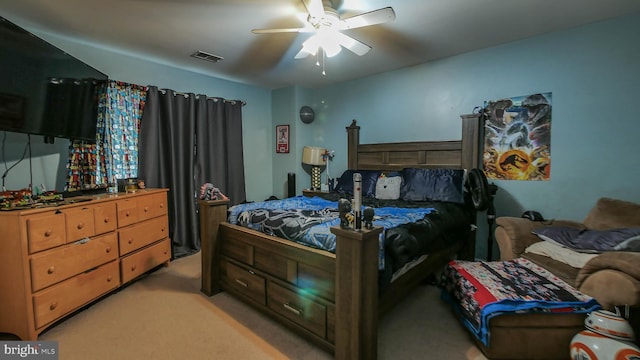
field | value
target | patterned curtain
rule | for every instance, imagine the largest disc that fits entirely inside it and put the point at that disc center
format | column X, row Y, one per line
column 117, row 131
column 82, row 165
column 115, row 154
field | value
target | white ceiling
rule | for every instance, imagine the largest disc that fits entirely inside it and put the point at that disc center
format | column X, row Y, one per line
column 168, row 31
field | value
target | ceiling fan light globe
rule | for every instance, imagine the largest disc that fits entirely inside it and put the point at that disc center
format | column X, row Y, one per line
column 331, row 49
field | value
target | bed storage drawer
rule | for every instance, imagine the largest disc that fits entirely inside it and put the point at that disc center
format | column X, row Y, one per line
column 303, row 311
column 243, row 281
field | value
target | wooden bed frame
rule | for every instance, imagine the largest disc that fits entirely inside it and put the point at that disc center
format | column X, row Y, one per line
column 335, row 296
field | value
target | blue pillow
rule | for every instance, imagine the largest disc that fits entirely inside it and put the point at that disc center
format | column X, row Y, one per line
column 369, row 179
column 433, row 185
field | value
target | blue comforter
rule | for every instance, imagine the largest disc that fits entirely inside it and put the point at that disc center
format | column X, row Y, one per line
column 307, row 220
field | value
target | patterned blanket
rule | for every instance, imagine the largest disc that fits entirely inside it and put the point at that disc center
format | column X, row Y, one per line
column 308, row 220
column 482, row 290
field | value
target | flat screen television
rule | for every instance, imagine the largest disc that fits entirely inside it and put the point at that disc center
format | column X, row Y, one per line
column 44, row 90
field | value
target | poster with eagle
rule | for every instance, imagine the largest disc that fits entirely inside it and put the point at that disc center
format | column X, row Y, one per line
column 517, row 140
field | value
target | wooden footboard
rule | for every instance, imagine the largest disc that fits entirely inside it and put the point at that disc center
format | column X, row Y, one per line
column 331, row 299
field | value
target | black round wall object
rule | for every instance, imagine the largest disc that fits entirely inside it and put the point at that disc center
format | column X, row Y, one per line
column 306, row 114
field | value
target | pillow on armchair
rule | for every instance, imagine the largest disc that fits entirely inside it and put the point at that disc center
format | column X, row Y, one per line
column 590, row 241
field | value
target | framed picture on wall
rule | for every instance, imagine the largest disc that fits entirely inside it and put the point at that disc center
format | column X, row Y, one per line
column 282, row 139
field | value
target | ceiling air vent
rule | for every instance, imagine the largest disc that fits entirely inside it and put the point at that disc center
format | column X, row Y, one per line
column 206, row 56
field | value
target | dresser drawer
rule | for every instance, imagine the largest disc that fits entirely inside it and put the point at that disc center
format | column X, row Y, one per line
column 297, row 308
column 140, row 235
column 45, row 231
column 105, row 217
column 127, row 212
column 151, row 206
column 50, row 267
column 144, row 260
column 79, row 223
column 61, row 299
column 243, row 281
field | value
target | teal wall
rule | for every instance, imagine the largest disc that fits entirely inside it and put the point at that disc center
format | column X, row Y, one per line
column 593, row 72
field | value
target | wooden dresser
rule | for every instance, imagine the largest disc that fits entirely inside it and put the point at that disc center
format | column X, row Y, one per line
column 56, row 259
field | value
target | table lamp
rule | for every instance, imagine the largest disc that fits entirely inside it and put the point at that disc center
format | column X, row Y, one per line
column 313, row 156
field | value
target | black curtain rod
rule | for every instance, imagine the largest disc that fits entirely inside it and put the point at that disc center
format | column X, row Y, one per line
column 186, row 95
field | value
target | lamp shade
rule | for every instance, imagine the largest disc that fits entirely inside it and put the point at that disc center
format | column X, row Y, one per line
column 313, row 156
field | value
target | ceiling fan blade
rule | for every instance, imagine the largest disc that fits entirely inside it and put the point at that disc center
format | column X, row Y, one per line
column 357, row 47
column 370, row 18
column 285, row 30
column 314, row 7
column 303, row 53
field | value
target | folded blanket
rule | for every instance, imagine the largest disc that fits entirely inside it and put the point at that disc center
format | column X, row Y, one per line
column 480, row 291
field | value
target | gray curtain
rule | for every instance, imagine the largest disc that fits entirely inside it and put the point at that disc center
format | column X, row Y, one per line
column 185, row 141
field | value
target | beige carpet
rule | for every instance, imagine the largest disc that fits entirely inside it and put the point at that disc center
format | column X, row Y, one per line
column 165, row 316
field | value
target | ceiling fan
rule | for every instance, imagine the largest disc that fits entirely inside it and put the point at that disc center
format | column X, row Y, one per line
column 327, row 26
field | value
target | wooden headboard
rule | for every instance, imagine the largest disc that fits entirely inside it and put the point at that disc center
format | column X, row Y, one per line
column 456, row 154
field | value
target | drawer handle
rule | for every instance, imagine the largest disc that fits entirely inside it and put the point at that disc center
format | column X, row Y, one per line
column 108, row 249
column 82, row 241
column 133, row 267
column 127, row 214
column 244, row 284
column 162, row 206
column 51, row 270
column 106, row 219
column 292, row 309
column 47, row 233
column 53, row 305
column 80, row 226
column 130, row 241
column 146, row 209
column 109, row 278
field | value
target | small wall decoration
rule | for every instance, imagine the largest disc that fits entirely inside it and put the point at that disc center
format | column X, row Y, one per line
column 517, row 140
column 282, row 139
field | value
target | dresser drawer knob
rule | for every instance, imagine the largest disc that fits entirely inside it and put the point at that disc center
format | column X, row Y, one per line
column 133, row 267
column 53, row 305
column 127, row 213
column 51, row 270
column 47, row 233
column 108, row 249
column 80, row 226
column 106, row 219
column 130, row 241
column 109, row 278
column 146, row 209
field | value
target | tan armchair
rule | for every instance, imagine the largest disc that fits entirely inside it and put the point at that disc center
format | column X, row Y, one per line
column 612, row 278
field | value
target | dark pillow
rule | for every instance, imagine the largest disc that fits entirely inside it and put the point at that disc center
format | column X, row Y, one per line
column 432, row 185
column 369, row 179
column 591, row 241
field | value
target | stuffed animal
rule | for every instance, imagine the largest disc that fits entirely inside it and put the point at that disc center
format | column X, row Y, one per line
column 210, row 192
